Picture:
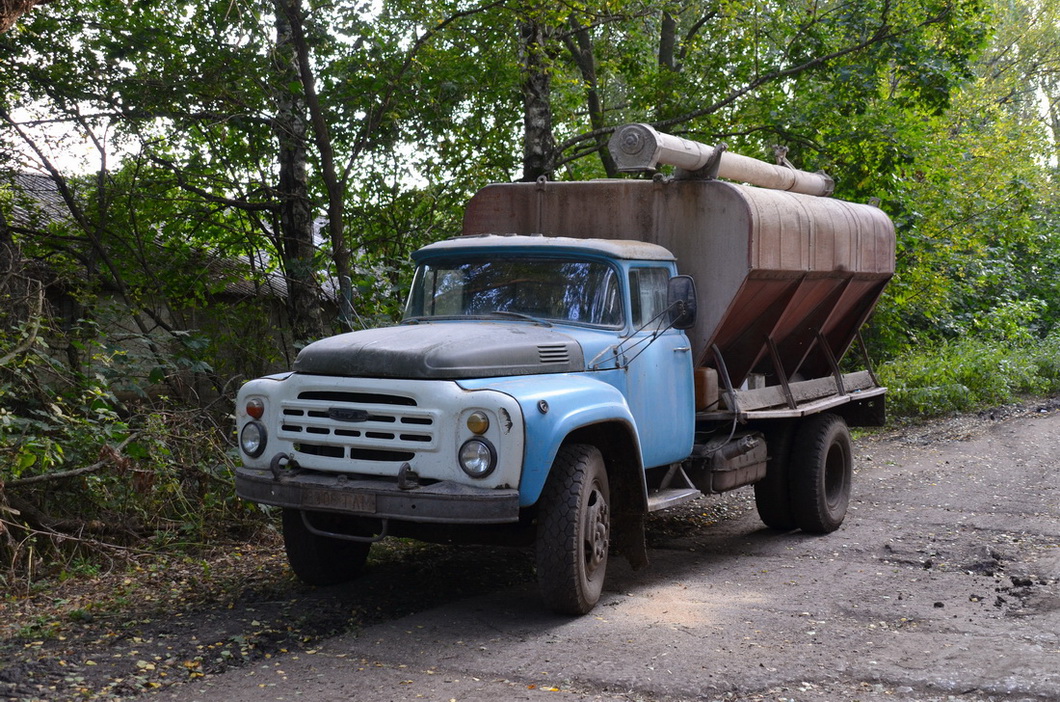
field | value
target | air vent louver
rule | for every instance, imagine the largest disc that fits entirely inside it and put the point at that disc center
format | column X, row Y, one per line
column 553, row 353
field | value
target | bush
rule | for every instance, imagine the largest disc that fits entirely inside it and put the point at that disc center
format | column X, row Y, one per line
column 86, row 476
column 969, row 374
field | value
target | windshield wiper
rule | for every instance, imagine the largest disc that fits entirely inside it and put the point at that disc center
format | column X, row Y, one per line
column 518, row 315
column 482, row 315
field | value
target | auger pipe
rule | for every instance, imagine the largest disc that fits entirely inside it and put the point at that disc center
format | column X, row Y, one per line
column 639, row 147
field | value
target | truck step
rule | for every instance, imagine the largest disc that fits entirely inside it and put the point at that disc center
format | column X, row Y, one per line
column 671, row 497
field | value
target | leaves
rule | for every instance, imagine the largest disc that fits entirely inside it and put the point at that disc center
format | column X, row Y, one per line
column 974, row 204
column 193, row 166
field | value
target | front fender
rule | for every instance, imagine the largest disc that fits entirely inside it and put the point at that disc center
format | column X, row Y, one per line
column 553, row 406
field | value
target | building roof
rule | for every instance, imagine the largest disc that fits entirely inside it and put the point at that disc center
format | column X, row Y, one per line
column 39, row 203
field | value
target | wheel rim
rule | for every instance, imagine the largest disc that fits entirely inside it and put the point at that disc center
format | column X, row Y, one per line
column 835, row 473
column 596, row 535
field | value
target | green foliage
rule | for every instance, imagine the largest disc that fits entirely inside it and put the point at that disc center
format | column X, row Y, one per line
column 97, row 483
column 88, row 463
column 970, row 374
column 975, row 202
column 165, row 267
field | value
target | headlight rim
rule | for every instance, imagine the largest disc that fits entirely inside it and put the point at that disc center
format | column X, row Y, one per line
column 491, row 450
column 263, row 438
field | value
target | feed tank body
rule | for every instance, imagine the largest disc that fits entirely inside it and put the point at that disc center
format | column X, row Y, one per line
column 772, row 268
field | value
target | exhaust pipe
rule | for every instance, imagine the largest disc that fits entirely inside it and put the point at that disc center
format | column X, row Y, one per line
column 639, row 147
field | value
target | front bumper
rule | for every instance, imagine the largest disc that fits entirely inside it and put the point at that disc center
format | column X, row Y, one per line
column 444, row 502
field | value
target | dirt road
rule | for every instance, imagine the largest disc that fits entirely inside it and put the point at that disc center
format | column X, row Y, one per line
column 944, row 583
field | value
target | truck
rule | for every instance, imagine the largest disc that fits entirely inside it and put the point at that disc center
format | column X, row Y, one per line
column 581, row 355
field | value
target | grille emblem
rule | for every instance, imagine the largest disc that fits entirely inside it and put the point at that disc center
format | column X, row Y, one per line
column 345, row 414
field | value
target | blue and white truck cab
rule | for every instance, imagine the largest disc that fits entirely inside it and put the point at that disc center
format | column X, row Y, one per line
column 632, row 345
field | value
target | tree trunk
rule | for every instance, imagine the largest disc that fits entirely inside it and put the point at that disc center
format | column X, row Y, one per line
column 539, row 146
column 11, row 10
column 667, row 42
column 340, row 254
column 296, row 212
column 581, row 48
column 7, row 249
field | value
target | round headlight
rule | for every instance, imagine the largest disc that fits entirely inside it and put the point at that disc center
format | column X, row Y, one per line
column 253, row 439
column 478, row 422
column 477, row 458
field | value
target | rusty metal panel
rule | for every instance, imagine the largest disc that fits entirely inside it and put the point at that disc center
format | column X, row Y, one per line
column 799, row 269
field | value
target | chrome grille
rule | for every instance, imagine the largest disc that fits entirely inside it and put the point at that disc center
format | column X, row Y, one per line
column 357, row 426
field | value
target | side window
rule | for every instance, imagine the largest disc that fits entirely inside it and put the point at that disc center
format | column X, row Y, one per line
column 647, row 289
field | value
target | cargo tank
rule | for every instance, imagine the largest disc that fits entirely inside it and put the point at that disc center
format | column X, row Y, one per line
column 785, row 279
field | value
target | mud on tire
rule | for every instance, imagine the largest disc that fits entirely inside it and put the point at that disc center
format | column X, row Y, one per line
column 573, row 530
column 821, row 473
column 773, row 492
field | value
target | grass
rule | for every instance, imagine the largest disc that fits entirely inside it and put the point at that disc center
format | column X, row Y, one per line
column 969, row 374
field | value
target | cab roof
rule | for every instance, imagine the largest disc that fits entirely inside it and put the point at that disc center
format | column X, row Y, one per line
column 613, row 248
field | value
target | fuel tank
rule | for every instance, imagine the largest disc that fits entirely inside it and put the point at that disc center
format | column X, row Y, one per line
column 773, row 269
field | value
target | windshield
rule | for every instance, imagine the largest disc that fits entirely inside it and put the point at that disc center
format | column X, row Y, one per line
column 585, row 292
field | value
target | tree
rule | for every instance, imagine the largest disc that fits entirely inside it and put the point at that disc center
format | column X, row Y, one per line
column 978, row 237
column 11, row 10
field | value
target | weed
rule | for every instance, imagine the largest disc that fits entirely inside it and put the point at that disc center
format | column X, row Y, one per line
column 969, row 374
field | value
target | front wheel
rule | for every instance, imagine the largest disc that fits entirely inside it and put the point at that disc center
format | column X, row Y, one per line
column 322, row 560
column 574, row 530
column 822, row 472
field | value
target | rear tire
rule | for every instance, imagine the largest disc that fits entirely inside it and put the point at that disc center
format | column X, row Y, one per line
column 821, row 473
column 574, row 530
column 773, row 492
column 320, row 560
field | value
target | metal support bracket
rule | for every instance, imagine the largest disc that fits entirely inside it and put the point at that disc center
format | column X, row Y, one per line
column 830, row 357
column 345, row 537
column 724, row 373
column 778, row 366
column 865, row 357
column 676, row 478
column 709, row 171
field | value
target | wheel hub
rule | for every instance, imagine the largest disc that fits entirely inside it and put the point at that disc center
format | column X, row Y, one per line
column 598, row 531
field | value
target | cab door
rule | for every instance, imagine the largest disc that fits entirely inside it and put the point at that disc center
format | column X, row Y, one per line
column 659, row 376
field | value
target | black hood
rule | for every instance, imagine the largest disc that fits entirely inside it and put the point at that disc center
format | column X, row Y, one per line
column 443, row 350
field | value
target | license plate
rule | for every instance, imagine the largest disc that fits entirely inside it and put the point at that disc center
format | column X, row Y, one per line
column 345, row 501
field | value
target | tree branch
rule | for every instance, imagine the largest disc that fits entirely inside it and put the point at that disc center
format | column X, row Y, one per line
column 241, row 204
column 375, row 116
column 35, row 318
column 112, row 455
column 882, row 33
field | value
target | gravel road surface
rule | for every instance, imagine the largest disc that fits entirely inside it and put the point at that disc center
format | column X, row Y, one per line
column 943, row 584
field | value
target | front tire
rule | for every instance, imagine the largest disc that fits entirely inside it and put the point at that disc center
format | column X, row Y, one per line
column 574, row 530
column 320, row 560
column 822, row 472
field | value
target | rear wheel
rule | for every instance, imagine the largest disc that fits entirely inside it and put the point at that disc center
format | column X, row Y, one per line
column 322, row 560
column 773, row 492
column 822, row 472
column 574, row 530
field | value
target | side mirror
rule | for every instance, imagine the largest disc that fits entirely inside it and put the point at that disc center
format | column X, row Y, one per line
column 681, row 301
